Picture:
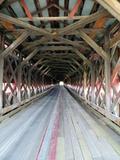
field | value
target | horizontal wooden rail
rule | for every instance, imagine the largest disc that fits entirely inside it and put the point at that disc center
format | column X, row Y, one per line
column 109, row 116
column 13, row 109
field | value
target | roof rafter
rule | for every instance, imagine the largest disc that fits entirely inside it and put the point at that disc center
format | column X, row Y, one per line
column 15, row 44
column 112, row 6
column 93, row 44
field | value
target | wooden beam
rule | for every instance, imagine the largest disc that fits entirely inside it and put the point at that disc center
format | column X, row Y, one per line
column 1, row 81
column 19, row 79
column 85, row 83
column 86, row 30
column 92, row 70
column 115, row 71
column 107, row 86
column 43, row 65
column 82, row 56
column 53, row 42
column 98, row 24
column 46, row 40
column 30, row 56
column 75, row 62
column 53, row 18
column 15, row 44
column 113, row 41
column 23, row 3
column 62, row 67
column 20, row 23
column 38, row 8
column 75, row 44
column 43, row 71
column 36, row 64
column 59, row 55
column 112, row 6
column 55, row 48
column 65, row 48
column 57, row 6
column 81, row 23
column 8, row 26
column 75, row 8
column 47, row 71
column 42, row 61
column 107, row 73
column 57, row 62
column 43, row 40
column 69, row 42
column 93, row 44
column 29, row 84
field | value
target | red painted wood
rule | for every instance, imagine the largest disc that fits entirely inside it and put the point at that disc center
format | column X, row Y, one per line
column 75, row 8
column 53, row 145
column 23, row 3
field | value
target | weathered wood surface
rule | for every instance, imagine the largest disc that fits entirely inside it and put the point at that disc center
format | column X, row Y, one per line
column 59, row 129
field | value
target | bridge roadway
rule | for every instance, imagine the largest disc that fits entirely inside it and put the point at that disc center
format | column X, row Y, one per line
column 56, row 127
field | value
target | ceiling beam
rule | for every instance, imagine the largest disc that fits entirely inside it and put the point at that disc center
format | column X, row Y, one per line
column 44, row 70
column 86, row 30
column 70, row 62
column 28, row 13
column 20, row 23
column 43, row 40
column 85, row 59
column 46, row 40
column 15, row 44
column 65, row 48
column 55, row 48
column 53, row 42
column 36, row 63
column 30, row 56
column 112, row 6
column 47, row 72
column 93, row 44
column 42, row 61
column 98, row 24
column 62, row 69
column 38, row 8
column 61, row 18
column 75, row 8
column 81, row 23
column 113, row 41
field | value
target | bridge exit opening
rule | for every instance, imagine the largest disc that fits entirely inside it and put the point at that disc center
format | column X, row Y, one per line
column 61, row 83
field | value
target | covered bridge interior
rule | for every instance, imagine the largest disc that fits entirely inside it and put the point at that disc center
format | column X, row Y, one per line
column 43, row 42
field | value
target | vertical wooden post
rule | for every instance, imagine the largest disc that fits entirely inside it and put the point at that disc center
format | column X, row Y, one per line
column 107, row 85
column 43, row 82
column 36, row 79
column 1, row 71
column 19, row 80
column 119, row 110
column 1, row 81
column 29, row 84
column 107, row 77
column 85, row 83
column 92, row 84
